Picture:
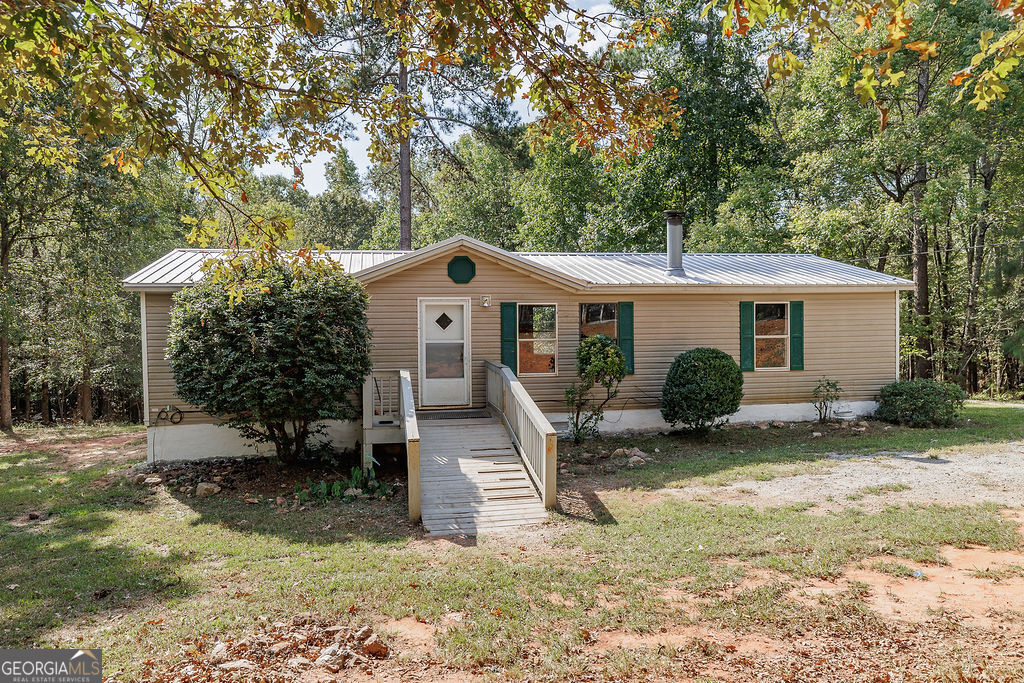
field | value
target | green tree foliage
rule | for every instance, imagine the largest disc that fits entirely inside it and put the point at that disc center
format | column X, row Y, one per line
column 703, row 387
column 276, row 364
column 600, row 367
column 282, row 80
column 341, row 217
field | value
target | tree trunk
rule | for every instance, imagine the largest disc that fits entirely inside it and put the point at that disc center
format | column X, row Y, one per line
column 986, row 172
column 44, row 400
column 404, row 171
column 85, row 395
column 6, row 418
column 922, row 367
column 28, row 397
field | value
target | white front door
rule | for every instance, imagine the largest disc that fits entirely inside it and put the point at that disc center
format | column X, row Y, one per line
column 444, row 352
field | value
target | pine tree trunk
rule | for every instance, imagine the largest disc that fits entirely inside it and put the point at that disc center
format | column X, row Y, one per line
column 922, row 366
column 404, row 172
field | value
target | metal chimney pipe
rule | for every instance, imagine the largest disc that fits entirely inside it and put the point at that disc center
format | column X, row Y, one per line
column 674, row 242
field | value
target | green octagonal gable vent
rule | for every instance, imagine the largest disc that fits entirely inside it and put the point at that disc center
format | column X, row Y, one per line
column 461, row 269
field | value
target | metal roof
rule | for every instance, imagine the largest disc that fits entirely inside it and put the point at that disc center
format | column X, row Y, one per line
column 182, row 267
column 713, row 269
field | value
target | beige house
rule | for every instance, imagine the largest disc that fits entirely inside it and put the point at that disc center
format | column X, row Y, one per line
column 462, row 325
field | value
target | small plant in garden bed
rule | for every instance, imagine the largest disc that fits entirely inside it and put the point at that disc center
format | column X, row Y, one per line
column 825, row 396
column 360, row 484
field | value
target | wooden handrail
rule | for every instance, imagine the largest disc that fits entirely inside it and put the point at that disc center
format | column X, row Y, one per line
column 411, row 429
column 389, row 416
column 531, row 432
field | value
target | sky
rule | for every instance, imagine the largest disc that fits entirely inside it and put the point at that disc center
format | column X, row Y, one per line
column 313, row 171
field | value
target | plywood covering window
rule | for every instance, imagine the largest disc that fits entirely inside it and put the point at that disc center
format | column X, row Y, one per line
column 537, row 339
column 771, row 336
column 599, row 319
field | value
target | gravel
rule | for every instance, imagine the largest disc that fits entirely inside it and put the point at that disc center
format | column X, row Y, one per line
column 963, row 478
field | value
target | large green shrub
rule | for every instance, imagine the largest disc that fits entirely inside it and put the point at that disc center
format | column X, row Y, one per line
column 600, row 363
column 288, row 355
column 702, row 387
column 921, row 403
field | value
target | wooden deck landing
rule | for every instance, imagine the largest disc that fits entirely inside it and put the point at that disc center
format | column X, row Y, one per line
column 472, row 479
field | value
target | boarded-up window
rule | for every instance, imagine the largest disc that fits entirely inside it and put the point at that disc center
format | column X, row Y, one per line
column 537, row 339
column 771, row 336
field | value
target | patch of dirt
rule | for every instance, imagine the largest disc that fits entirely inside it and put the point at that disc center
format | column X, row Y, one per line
column 417, row 635
column 938, row 592
column 963, row 478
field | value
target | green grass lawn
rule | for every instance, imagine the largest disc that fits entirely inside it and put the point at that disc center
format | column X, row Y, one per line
column 132, row 569
column 746, row 452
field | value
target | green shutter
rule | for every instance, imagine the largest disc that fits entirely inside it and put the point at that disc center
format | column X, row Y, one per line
column 747, row 336
column 796, row 335
column 509, row 321
column 626, row 332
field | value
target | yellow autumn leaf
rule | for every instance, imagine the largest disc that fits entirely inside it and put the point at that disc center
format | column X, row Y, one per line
column 926, row 49
column 893, row 78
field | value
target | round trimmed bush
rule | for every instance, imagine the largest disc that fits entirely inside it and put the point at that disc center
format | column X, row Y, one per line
column 702, row 388
column 921, row 403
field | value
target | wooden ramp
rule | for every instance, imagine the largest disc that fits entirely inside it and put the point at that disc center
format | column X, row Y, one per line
column 472, row 478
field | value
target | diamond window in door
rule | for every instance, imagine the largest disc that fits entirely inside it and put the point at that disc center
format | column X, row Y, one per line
column 443, row 321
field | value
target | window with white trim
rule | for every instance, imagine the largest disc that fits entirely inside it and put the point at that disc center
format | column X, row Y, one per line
column 537, row 339
column 771, row 336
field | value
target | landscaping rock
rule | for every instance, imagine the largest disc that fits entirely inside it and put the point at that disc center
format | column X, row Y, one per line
column 237, row 665
column 637, row 453
column 140, row 479
column 636, row 461
column 815, row 435
column 374, row 647
column 152, row 481
column 299, row 663
column 219, row 652
column 206, row 489
column 620, row 452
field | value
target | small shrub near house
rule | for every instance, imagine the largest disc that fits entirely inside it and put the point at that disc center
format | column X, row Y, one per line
column 277, row 363
column 825, row 396
column 921, row 403
column 702, row 388
column 600, row 367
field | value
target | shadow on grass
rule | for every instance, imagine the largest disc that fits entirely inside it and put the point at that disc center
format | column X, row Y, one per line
column 57, row 564
column 315, row 523
column 747, row 452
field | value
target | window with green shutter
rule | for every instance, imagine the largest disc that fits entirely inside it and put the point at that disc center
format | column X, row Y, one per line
column 747, row 336
column 509, row 319
column 613, row 320
column 626, row 332
column 771, row 335
column 796, row 335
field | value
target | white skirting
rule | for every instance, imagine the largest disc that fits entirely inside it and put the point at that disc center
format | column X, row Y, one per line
column 200, row 441
column 168, row 443
column 649, row 419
